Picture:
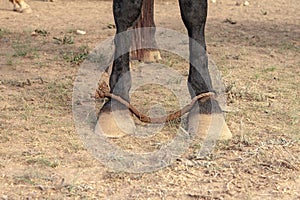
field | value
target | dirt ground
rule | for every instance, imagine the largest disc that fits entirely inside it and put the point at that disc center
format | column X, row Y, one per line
column 256, row 47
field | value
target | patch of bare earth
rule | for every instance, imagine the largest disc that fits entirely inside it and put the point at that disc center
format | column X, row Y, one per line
column 256, row 47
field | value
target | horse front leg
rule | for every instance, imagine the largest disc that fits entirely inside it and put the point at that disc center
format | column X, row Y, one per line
column 21, row 6
column 206, row 118
column 115, row 119
column 16, row 6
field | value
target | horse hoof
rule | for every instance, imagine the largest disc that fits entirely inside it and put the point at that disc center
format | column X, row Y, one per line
column 116, row 123
column 17, row 8
column 208, row 126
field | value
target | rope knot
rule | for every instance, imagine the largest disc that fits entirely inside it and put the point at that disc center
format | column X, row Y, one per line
column 102, row 90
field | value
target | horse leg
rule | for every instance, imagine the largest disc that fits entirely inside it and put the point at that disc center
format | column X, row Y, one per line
column 194, row 13
column 16, row 6
column 114, row 118
column 22, row 6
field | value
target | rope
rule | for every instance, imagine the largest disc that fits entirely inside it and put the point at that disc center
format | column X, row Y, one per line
column 103, row 91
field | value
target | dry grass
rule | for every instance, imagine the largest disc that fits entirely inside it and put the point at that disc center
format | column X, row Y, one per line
column 41, row 155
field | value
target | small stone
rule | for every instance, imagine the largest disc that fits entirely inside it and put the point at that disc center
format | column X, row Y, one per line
column 214, row 1
column 246, row 3
column 264, row 12
column 80, row 32
column 41, row 187
column 34, row 33
column 4, row 197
